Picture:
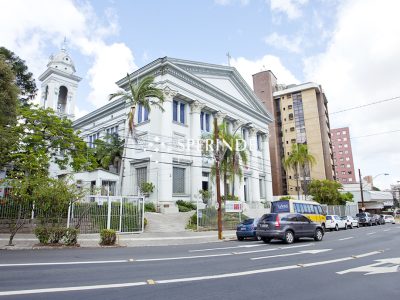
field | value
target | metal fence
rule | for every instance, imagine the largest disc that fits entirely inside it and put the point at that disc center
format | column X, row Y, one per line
column 341, row 210
column 207, row 219
column 122, row 213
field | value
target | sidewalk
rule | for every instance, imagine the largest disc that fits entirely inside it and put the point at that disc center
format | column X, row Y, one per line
column 27, row 241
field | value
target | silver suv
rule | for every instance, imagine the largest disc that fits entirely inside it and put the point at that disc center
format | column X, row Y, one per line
column 365, row 219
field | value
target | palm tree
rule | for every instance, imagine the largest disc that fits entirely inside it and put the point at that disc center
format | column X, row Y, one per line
column 231, row 160
column 143, row 93
column 299, row 160
column 306, row 163
column 109, row 151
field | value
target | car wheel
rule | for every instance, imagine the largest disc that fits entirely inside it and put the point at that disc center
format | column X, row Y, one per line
column 289, row 237
column 318, row 235
column 240, row 238
column 336, row 227
column 266, row 240
column 351, row 226
column 345, row 227
column 258, row 238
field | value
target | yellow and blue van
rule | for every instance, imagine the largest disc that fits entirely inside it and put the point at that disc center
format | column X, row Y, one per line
column 311, row 209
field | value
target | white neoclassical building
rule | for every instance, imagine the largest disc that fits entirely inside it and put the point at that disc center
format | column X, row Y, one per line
column 195, row 94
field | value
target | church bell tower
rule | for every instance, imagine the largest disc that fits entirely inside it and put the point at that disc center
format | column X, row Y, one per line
column 59, row 84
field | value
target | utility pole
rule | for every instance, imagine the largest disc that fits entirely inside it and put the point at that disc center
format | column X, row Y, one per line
column 217, row 178
column 361, row 190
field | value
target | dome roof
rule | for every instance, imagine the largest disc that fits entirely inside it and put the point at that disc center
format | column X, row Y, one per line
column 62, row 61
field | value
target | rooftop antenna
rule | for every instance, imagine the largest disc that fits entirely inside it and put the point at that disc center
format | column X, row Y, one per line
column 64, row 44
column 229, row 58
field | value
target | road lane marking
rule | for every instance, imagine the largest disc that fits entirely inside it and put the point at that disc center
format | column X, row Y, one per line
column 149, row 259
column 224, row 248
column 73, row 288
column 65, row 263
column 369, row 233
column 182, row 257
column 387, row 229
column 377, row 268
column 273, row 249
column 177, row 280
column 347, row 238
column 293, row 254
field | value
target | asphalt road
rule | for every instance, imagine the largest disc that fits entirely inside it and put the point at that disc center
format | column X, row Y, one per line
column 353, row 264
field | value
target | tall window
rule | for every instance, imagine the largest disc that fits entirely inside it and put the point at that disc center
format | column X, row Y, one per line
column 143, row 114
column 92, row 138
column 205, row 121
column 112, row 130
column 259, row 142
column 178, row 112
column 178, row 182
column 141, row 176
column 299, row 118
column 262, row 190
column 108, row 188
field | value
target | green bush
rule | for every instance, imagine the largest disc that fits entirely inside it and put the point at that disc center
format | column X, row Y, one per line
column 184, row 208
column 108, row 237
column 70, row 237
column 145, row 222
column 192, row 224
column 187, row 204
column 43, row 234
column 56, row 234
column 149, row 207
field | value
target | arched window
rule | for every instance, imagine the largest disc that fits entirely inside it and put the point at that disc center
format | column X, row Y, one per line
column 62, row 99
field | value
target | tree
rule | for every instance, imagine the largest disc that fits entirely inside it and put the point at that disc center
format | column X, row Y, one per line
column 326, row 192
column 23, row 78
column 109, row 151
column 347, row 197
column 143, row 93
column 8, row 110
column 231, row 160
column 43, row 137
column 300, row 161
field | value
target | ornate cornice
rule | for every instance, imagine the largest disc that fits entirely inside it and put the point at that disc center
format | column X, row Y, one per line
column 196, row 106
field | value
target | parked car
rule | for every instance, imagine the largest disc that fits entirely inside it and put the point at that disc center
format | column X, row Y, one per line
column 375, row 219
column 334, row 222
column 364, row 219
column 247, row 229
column 350, row 222
column 381, row 220
column 288, row 227
column 389, row 219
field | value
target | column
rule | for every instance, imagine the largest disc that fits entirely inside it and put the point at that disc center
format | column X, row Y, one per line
column 197, row 161
column 164, row 143
column 267, row 168
column 254, row 194
column 239, row 182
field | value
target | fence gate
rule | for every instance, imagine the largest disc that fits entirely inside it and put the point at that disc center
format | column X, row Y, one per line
column 122, row 213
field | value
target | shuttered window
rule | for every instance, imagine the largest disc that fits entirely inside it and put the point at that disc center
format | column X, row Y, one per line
column 178, row 186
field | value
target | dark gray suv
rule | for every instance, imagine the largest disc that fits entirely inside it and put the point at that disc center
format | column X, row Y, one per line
column 287, row 227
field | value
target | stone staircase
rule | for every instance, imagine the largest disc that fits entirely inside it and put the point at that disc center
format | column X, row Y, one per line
column 172, row 222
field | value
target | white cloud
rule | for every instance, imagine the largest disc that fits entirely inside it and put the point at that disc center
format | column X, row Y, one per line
column 248, row 67
column 292, row 8
column 44, row 22
column 362, row 65
column 283, row 42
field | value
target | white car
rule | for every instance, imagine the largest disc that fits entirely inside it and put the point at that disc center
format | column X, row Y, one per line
column 334, row 222
column 389, row 219
column 351, row 222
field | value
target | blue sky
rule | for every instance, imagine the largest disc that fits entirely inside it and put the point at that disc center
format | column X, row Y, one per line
column 349, row 46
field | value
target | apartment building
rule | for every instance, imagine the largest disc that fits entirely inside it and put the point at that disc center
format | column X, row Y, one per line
column 300, row 117
column 343, row 155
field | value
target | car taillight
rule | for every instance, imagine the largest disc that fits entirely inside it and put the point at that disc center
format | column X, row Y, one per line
column 277, row 222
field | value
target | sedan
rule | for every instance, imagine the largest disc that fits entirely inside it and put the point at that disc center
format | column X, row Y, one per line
column 350, row 222
column 389, row 219
column 247, row 229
